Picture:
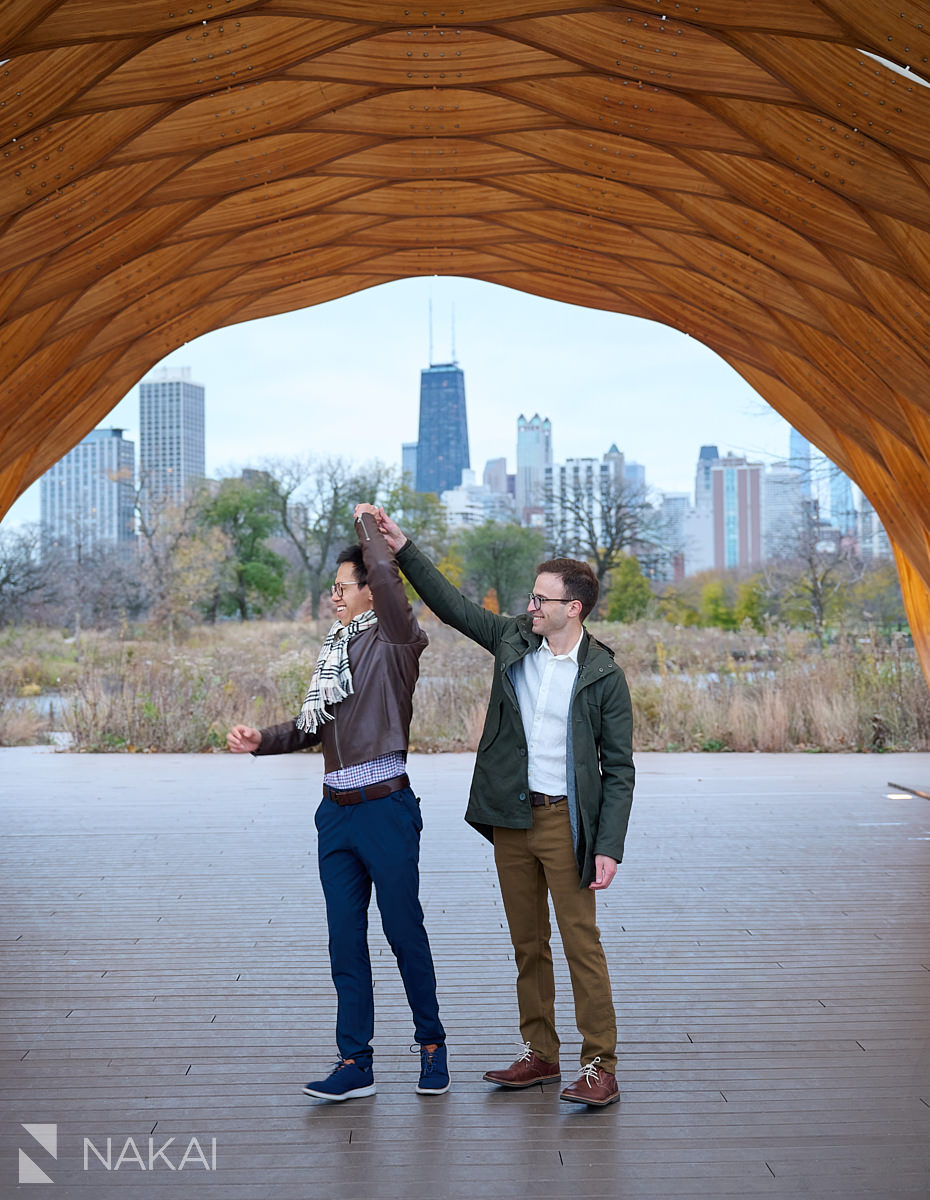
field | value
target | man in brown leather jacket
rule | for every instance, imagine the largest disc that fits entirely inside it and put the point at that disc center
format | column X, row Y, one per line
column 358, row 707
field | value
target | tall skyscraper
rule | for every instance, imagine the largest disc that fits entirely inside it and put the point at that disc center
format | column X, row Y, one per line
column 736, row 487
column 534, row 455
column 799, row 459
column 86, row 498
column 171, row 444
column 442, row 447
column 703, row 497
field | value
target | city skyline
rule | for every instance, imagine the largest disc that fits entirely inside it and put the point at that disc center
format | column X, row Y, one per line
column 309, row 382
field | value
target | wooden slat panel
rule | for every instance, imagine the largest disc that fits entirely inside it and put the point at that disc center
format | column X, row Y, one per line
column 621, row 106
column 220, row 53
column 416, row 158
column 71, row 213
column 666, row 53
column 70, row 20
column 238, row 115
column 84, row 261
column 837, row 157
column 257, row 206
column 890, row 107
column 609, row 156
column 429, row 57
column 455, row 112
column 430, row 198
column 607, row 237
column 46, row 162
column 253, row 164
column 600, row 198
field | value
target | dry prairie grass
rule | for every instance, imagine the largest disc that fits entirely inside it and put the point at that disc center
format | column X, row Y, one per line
column 692, row 689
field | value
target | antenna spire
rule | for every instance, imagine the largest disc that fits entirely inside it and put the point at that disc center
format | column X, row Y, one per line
column 431, row 327
column 453, row 333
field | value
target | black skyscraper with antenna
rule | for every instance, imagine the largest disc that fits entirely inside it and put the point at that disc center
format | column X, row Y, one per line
column 442, row 447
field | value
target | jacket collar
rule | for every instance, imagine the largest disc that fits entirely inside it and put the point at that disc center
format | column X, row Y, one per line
column 591, row 652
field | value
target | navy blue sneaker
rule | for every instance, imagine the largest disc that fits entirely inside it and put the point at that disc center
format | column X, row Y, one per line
column 346, row 1081
column 434, row 1072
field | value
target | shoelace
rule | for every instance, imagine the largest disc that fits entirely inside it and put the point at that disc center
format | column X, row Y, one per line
column 426, row 1057
column 589, row 1072
column 339, row 1064
column 526, row 1052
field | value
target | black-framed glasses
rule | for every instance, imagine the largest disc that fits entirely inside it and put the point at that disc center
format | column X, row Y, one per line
column 538, row 601
column 336, row 588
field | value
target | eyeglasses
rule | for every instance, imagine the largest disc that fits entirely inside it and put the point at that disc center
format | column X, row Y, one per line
column 336, row 588
column 538, row 601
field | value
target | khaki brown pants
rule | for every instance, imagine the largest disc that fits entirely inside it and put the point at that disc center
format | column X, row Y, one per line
column 531, row 864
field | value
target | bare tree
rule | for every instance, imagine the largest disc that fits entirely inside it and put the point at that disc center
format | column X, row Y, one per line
column 26, row 582
column 316, row 500
column 809, row 572
column 605, row 519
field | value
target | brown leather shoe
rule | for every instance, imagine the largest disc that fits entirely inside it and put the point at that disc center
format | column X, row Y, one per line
column 594, row 1086
column 527, row 1070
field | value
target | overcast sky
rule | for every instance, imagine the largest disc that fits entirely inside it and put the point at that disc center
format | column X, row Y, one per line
column 344, row 377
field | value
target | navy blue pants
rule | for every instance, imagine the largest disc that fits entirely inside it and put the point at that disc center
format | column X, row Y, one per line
column 375, row 842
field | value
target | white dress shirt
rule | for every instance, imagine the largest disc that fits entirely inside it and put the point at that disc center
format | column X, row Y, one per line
column 544, row 683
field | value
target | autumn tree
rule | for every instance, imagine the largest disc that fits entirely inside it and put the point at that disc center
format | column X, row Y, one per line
column 181, row 558
column 630, row 594
column 501, row 557
column 245, row 511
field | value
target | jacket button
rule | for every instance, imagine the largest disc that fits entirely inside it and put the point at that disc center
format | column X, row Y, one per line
column 522, row 753
column 523, row 795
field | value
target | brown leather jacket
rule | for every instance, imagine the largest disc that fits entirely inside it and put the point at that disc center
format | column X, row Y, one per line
column 385, row 664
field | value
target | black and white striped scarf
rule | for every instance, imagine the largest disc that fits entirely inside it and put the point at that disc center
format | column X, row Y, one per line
column 332, row 676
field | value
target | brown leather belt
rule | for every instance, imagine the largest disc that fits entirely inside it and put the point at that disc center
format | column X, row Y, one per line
column 538, row 799
column 374, row 791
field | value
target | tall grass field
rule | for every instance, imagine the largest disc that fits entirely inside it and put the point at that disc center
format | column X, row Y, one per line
column 692, row 689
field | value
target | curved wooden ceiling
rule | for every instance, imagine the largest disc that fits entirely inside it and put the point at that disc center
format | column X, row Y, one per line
column 747, row 173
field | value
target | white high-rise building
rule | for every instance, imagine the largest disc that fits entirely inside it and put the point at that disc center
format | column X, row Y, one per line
column 87, row 498
column 782, row 509
column 534, row 455
column 473, row 503
column 171, row 445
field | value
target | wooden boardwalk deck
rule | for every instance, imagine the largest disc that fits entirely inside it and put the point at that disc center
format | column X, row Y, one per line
column 165, row 975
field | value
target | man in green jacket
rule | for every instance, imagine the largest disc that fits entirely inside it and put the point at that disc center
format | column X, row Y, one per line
column 552, row 789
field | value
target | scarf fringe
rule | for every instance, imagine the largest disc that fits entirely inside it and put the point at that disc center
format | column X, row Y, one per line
column 332, row 676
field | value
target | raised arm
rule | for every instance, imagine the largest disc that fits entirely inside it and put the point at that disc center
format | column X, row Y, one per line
column 396, row 621
column 446, row 601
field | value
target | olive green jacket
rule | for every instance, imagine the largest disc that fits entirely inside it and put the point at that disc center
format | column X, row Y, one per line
column 599, row 769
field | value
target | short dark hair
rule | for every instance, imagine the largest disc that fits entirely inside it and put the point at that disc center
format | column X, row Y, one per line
column 353, row 555
column 578, row 580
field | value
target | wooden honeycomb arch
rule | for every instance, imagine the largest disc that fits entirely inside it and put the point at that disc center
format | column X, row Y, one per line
column 755, row 175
